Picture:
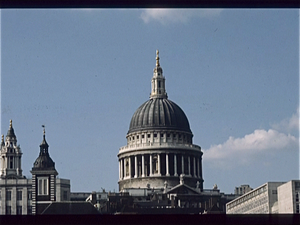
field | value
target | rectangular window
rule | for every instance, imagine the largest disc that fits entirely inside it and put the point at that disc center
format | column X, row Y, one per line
column 8, row 210
column 274, row 192
column 8, row 195
column 19, row 210
column 29, row 195
column 65, row 195
column 42, row 185
column 29, row 210
column 155, row 135
column 143, row 136
column 19, row 195
column 148, row 135
column 10, row 162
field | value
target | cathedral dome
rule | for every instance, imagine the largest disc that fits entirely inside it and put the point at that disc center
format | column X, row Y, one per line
column 159, row 113
column 159, row 144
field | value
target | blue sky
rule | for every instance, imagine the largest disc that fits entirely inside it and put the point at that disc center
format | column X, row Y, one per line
column 83, row 73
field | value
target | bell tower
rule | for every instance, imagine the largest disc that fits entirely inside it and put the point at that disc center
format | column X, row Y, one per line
column 43, row 179
column 10, row 156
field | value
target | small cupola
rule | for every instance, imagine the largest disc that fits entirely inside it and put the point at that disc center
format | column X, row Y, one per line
column 158, row 89
column 44, row 160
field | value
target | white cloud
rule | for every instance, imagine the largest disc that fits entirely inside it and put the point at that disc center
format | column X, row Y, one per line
column 236, row 151
column 241, row 151
column 165, row 16
column 288, row 124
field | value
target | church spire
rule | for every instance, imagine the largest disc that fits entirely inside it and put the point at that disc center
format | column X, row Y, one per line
column 158, row 89
column 10, row 132
column 44, row 145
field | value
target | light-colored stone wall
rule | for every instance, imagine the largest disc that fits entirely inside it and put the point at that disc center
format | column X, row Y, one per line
column 261, row 200
column 15, row 185
column 288, row 197
column 25, row 185
column 62, row 190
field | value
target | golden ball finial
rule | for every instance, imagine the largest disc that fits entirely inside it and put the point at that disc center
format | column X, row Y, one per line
column 2, row 137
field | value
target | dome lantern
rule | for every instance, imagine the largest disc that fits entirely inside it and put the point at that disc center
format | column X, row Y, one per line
column 158, row 89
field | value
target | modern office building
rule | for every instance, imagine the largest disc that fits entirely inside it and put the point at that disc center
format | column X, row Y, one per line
column 269, row 198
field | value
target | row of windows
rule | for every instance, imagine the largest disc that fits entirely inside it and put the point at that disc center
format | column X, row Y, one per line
column 155, row 135
column 248, row 196
column 19, row 195
column 19, row 210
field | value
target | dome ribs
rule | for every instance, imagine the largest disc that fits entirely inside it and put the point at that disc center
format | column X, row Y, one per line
column 168, row 120
column 150, row 113
column 156, row 119
column 159, row 113
column 162, row 115
column 140, row 120
column 172, row 114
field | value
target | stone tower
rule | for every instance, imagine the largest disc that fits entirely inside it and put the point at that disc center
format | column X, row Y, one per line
column 10, row 154
column 43, row 179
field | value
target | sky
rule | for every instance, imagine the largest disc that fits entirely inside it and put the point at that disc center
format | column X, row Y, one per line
column 83, row 72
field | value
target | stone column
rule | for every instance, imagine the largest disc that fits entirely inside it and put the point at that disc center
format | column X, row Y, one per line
column 182, row 164
column 198, row 167
column 195, row 175
column 158, row 169
column 167, row 165
column 175, row 165
column 143, row 166
column 150, row 165
column 129, row 167
column 124, row 168
column 121, row 170
column 189, row 165
column 135, row 167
